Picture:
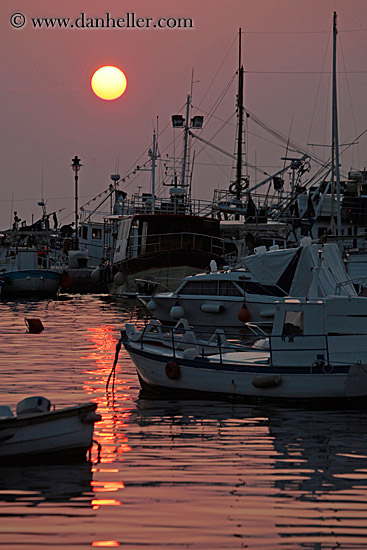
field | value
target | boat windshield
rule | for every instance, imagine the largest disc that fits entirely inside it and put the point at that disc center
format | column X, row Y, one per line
column 210, row 287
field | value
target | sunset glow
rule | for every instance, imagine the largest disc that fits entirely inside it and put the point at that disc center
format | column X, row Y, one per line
column 108, row 83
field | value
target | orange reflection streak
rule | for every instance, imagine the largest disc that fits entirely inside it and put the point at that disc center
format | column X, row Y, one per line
column 109, row 486
column 115, row 409
column 96, row 503
column 105, row 543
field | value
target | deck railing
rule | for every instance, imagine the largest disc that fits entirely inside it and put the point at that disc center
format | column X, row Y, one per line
column 163, row 242
column 314, row 349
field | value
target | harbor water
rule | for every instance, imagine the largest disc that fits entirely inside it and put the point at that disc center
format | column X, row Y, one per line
column 170, row 474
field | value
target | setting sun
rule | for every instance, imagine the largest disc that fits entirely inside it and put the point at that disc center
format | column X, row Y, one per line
column 108, row 83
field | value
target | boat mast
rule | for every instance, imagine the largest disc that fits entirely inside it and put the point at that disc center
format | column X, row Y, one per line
column 335, row 136
column 240, row 122
column 153, row 156
column 187, row 127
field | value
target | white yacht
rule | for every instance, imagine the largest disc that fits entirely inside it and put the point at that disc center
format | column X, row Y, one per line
column 248, row 292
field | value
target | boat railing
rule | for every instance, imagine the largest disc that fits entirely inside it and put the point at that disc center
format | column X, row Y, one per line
column 316, row 351
column 299, row 343
column 256, row 329
column 150, row 287
column 160, row 242
column 359, row 283
column 183, row 338
column 176, row 204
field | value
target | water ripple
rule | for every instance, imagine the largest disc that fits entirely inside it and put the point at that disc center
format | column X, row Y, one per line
column 171, row 474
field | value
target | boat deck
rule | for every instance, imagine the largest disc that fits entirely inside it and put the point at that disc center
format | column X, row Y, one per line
column 259, row 357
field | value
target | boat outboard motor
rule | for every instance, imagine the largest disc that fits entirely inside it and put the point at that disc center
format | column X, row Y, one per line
column 36, row 404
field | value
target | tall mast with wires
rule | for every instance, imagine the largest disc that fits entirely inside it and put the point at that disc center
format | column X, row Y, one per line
column 240, row 120
column 335, row 135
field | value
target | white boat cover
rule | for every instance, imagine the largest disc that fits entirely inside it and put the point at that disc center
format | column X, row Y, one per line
column 270, row 266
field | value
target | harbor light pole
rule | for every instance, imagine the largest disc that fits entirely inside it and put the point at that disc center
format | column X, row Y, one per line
column 76, row 166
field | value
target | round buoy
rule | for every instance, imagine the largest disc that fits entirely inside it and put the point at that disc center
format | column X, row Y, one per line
column 172, row 370
column 243, row 314
column 34, row 326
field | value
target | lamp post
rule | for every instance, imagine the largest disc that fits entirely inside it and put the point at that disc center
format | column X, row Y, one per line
column 76, row 166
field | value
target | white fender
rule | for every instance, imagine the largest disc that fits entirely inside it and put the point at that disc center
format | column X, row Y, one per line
column 212, row 308
column 152, row 305
column 119, row 278
column 177, row 312
column 96, row 274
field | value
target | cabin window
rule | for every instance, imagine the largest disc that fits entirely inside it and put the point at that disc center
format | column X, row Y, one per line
column 96, row 233
column 227, row 288
column 84, row 232
column 200, row 287
column 293, row 323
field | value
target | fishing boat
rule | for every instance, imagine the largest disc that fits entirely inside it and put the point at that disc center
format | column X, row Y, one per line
column 250, row 290
column 316, row 354
column 38, row 431
column 32, row 263
column 29, row 271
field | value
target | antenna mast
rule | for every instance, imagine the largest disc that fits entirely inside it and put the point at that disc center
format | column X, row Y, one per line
column 240, row 120
column 335, row 135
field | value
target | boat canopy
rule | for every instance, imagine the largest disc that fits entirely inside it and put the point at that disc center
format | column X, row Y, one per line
column 292, row 269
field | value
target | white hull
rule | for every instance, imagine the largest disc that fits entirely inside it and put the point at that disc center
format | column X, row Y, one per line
column 237, row 380
column 64, row 431
column 317, row 352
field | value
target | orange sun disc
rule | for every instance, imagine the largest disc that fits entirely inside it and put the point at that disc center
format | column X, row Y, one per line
column 109, row 83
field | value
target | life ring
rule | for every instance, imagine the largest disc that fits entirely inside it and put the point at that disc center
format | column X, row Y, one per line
column 172, row 370
column 234, row 186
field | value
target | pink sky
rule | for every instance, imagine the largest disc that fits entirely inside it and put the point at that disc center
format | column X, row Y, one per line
column 49, row 113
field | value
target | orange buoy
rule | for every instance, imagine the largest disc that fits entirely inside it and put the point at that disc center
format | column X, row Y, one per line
column 34, row 326
column 244, row 314
column 172, row 370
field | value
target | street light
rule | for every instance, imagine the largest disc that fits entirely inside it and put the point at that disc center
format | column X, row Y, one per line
column 76, row 166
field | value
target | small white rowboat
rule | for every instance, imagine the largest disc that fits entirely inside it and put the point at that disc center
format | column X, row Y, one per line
column 37, row 432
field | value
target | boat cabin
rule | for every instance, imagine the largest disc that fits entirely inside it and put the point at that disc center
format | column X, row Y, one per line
column 21, row 259
column 320, row 332
column 140, row 235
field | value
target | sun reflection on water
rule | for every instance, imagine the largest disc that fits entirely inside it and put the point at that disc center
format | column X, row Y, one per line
column 105, row 543
column 115, row 407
